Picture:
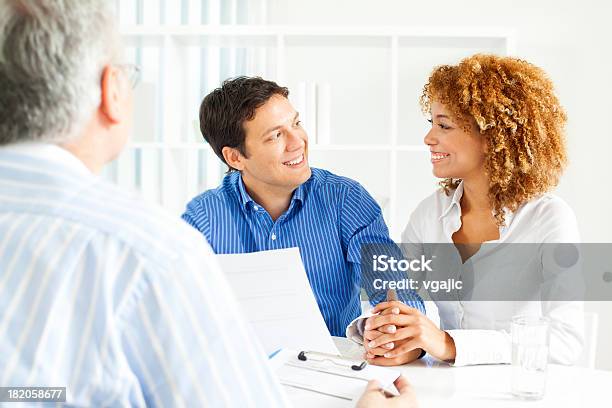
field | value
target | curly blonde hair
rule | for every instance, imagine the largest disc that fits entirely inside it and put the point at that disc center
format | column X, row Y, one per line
column 514, row 105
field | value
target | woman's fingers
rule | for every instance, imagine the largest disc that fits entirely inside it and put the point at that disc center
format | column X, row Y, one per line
column 391, row 310
column 394, row 361
column 393, row 305
column 382, row 350
column 371, row 335
column 401, row 334
column 375, row 322
column 403, row 349
column 382, row 361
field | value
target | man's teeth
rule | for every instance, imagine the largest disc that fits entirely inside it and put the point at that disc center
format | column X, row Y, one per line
column 294, row 162
column 439, row 156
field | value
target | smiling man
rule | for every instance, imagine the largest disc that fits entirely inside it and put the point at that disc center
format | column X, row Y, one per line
column 272, row 199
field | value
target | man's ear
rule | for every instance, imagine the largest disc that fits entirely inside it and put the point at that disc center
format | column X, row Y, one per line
column 233, row 157
column 113, row 91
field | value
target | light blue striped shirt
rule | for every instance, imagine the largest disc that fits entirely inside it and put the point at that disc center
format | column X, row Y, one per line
column 330, row 218
column 112, row 298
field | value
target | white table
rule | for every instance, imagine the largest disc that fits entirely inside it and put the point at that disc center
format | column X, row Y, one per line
column 438, row 384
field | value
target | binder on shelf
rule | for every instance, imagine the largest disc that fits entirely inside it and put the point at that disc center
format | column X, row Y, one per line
column 324, row 113
column 151, row 13
column 213, row 12
column 191, row 94
column 126, row 170
column 145, row 117
column 201, row 170
column 311, row 110
column 192, row 12
column 150, row 169
column 150, row 59
column 126, row 10
column 213, row 169
column 313, row 101
column 298, row 99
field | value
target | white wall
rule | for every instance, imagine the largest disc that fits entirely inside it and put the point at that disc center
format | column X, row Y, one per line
column 567, row 38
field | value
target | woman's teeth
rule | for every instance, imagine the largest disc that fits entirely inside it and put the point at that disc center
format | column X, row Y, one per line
column 439, row 156
column 295, row 161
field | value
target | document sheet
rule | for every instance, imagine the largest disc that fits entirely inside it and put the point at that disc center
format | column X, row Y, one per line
column 277, row 300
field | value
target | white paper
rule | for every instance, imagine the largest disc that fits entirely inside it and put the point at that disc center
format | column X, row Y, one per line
column 277, row 300
column 328, row 382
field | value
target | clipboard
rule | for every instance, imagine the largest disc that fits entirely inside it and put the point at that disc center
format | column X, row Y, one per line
column 327, row 380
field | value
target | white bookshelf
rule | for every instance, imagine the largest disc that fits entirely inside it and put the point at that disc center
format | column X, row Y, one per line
column 376, row 127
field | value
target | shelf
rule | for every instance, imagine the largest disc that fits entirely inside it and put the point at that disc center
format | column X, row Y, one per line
column 330, row 31
column 348, row 148
column 311, row 147
column 161, row 145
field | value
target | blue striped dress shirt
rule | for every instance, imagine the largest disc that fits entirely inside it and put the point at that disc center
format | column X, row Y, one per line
column 114, row 299
column 329, row 218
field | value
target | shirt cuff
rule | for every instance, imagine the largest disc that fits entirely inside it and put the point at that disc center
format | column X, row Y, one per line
column 355, row 329
column 474, row 347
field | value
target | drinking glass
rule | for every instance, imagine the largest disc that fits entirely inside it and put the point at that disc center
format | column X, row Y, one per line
column 530, row 337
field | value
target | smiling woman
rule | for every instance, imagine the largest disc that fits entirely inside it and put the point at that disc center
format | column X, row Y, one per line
column 497, row 142
column 509, row 106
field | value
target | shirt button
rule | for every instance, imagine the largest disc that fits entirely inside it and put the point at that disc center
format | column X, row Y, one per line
column 273, row 236
column 255, row 207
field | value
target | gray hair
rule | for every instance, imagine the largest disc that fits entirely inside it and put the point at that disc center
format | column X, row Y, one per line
column 52, row 53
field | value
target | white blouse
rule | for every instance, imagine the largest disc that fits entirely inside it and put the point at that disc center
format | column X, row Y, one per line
column 481, row 329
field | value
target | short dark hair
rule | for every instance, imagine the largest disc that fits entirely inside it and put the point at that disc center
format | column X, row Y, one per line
column 224, row 111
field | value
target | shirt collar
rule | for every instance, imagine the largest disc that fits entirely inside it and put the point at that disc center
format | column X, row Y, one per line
column 245, row 198
column 455, row 200
column 298, row 193
column 49, row 152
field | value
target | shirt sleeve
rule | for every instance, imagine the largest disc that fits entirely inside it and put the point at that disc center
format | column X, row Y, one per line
column 563, row 287
column 481, row 347
column 185, row 340
column 355, row 330
column 475, row 347
column 364, row 232
column 195, row 215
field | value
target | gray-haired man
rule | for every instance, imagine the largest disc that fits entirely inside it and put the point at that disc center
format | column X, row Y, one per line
column 99, row 292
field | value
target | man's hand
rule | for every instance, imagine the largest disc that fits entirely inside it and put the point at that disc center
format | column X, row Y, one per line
column 399, row 337
column 374, row 396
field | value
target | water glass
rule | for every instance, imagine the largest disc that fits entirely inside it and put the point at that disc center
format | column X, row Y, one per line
column 530, row 338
